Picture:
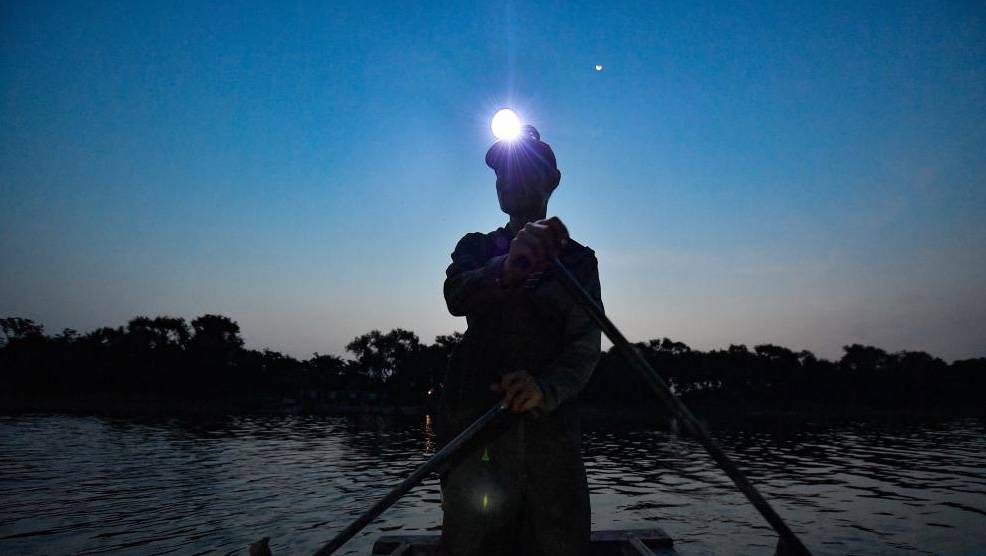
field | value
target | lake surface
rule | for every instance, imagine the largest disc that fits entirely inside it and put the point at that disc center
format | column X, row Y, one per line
column 92, row 485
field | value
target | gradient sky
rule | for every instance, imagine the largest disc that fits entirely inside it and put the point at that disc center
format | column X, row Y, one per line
column 804, row 175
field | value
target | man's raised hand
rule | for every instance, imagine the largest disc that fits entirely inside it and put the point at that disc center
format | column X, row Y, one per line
column 533, row 247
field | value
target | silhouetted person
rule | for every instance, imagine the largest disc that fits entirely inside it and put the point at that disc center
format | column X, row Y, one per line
column 523, row 491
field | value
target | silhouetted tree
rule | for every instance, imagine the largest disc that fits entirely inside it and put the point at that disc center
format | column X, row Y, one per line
column 380, row 354
column 216, row 333
column 164, row 357
column 16, row 328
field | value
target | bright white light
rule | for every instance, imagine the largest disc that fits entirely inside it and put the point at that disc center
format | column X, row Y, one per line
column 599, row 67
column 505, row 124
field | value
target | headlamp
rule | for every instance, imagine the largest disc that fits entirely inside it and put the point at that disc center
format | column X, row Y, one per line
column 505, row 125
column 518, row 144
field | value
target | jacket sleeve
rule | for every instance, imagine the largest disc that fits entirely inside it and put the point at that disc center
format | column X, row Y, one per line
column 570, row 371
column 471, row 285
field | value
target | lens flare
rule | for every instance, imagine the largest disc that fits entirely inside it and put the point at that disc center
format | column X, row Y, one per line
column 505, row 124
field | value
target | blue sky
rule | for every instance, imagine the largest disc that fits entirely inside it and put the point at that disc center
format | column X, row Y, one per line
column 791, row 173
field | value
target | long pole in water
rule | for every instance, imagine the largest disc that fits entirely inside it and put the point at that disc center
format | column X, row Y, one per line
column 419, row 474
column 789, row 540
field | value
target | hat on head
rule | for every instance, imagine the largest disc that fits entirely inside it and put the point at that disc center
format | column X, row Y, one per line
column 527, row 150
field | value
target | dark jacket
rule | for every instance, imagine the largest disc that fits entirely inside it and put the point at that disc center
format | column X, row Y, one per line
column 537, row 327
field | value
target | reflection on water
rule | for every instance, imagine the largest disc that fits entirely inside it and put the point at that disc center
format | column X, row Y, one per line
column 88, row 485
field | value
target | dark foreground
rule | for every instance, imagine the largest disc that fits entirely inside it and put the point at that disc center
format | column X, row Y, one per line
column 861, row 486
column 633, row 542
column 636, row 542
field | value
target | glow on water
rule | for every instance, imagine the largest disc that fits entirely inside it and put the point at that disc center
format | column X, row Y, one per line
column 75, row 484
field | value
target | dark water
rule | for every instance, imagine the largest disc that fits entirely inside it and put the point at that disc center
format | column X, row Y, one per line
column 88, row 485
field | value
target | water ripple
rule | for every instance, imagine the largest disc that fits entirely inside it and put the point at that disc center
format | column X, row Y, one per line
column 96, row 486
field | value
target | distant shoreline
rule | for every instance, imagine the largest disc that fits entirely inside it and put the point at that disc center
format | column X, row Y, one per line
column 166, row 367
column 146, row 406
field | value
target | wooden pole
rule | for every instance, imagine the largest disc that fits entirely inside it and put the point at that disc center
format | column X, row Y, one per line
column 419, row 474
column 790, row 541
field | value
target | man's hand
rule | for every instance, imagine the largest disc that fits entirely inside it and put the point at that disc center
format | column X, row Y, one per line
column 521, row 391
column 532, row 249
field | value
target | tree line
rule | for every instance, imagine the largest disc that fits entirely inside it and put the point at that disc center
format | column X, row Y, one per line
column 205, row 358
